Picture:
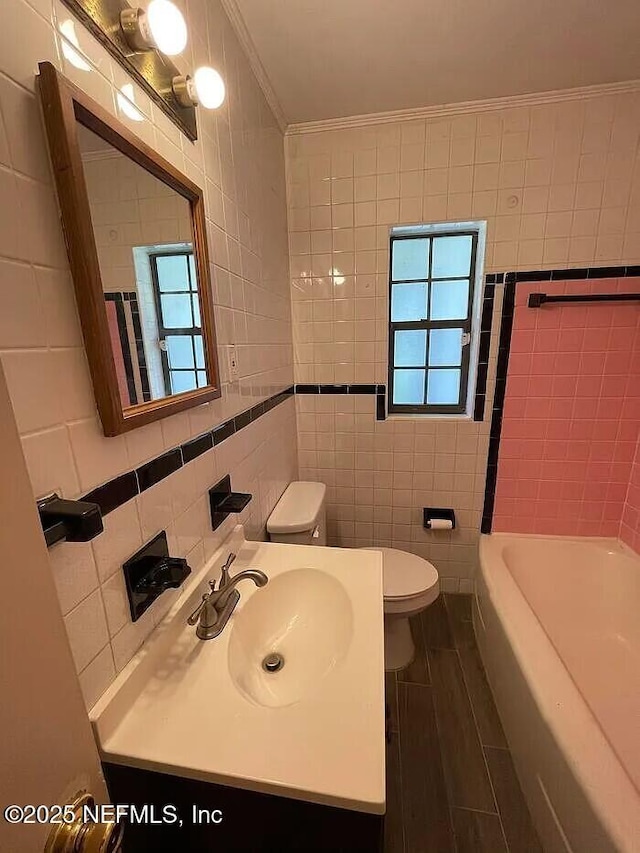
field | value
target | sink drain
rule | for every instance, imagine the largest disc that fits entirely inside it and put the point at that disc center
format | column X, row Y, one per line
column 273, row 662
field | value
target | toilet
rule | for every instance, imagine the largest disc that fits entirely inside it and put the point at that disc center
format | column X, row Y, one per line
column 410, row 583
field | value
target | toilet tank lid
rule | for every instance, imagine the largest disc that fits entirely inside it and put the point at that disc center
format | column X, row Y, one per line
column 298, row 509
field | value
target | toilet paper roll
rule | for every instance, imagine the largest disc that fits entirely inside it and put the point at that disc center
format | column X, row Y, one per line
column 440, row 524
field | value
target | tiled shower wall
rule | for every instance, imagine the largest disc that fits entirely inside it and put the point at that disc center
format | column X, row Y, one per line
column 559, row 186
column 571, row 415
column 239, row 161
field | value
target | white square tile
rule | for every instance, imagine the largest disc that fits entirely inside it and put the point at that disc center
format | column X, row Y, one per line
column 116, row 603
column 22, row 321
column 87, row 630
column 97, row 676
column 25, row 132
column 59, row 310
column 50, row 463
column 98, row 459
column 129, row 639
column 74, row 572
column 121, row 538
column 22, row 25
column 13, row 239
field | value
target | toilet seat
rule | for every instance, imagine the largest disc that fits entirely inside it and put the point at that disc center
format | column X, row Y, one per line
column 410, row 583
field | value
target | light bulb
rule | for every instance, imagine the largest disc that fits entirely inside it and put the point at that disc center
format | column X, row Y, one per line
column 209, row 87
column 68, row 30
column 126, row 103
column 167, row 27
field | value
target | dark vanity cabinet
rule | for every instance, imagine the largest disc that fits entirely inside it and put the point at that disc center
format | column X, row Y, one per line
column 233, row 820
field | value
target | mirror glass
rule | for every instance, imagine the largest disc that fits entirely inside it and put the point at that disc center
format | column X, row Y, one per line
column 144, row 238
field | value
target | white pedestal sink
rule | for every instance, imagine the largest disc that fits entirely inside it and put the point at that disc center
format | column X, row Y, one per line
column 206, row 709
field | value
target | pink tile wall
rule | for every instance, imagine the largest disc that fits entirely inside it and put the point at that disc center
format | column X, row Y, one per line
column 630, row 527
column 572, row 414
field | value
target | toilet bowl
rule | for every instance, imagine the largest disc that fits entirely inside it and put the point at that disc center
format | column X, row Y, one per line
column 410, row 583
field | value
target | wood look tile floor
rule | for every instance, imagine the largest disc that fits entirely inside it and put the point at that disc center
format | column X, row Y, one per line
column 451, row 785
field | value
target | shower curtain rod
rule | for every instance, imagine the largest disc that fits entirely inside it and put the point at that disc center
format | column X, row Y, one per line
column 536, row 300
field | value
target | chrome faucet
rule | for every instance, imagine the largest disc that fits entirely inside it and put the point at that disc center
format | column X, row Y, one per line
column 216, row 607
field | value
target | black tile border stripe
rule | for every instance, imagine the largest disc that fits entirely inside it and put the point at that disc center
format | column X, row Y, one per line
column 113, row 494
column 137, row 333
column 157, row 469
column 222, row 432
column 196, row 447
column 573, row 273
column 511, row 279
column 121, row 489
column 488, row 298
column 504, row 345
column 340, row 389
column 377, row 391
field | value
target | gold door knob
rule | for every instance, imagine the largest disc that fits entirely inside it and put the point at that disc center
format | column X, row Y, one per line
column 80, row 836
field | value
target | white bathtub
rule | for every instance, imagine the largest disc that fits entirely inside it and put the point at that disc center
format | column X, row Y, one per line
column 558, row 626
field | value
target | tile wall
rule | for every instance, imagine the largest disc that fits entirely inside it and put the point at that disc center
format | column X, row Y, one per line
column 559, row 186
column 239, row 161
column 571, row 417
column 630, row 527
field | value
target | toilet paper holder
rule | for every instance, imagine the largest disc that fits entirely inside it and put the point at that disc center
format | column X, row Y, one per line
column 438, row 514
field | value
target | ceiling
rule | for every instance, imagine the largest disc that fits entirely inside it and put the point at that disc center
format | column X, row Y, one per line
column 334, row 58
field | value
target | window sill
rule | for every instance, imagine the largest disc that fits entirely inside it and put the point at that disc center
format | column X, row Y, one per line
column 426, row 417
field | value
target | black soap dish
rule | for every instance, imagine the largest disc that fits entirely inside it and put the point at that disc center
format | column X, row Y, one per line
column 223, row 502
column 150, row 572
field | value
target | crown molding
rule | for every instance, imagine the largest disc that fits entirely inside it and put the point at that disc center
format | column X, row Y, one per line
column 238, row 23
column 442, row 110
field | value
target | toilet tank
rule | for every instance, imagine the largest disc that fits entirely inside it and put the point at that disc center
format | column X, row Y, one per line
column 299, row 517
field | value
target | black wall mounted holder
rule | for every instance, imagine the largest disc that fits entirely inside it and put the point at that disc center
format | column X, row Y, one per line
column 149, row 572
column 222, row 501
column 73, row 521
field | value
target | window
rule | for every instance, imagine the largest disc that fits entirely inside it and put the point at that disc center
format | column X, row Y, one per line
column 175, row 287
column 432, row 283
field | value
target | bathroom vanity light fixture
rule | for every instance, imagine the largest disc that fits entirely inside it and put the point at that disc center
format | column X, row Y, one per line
column 143, row 42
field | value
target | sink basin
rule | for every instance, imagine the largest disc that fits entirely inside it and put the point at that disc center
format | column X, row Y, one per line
column 305, row 616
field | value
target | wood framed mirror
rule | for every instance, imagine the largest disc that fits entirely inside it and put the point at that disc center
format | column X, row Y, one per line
column 135, row 233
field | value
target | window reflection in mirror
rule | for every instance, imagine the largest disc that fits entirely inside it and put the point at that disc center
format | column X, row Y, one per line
column 143, row 235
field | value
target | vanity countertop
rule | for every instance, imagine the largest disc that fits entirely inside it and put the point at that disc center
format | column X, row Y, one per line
column 206, row 710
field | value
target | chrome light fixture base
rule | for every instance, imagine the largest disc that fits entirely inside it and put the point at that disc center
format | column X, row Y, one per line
column 132, row 23
column 182, row 91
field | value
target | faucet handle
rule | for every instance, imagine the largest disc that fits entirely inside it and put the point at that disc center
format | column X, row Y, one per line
column 196, row 613
column 224, row 576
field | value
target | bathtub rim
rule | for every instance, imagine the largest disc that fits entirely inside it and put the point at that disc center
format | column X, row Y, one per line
column 585, row 748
